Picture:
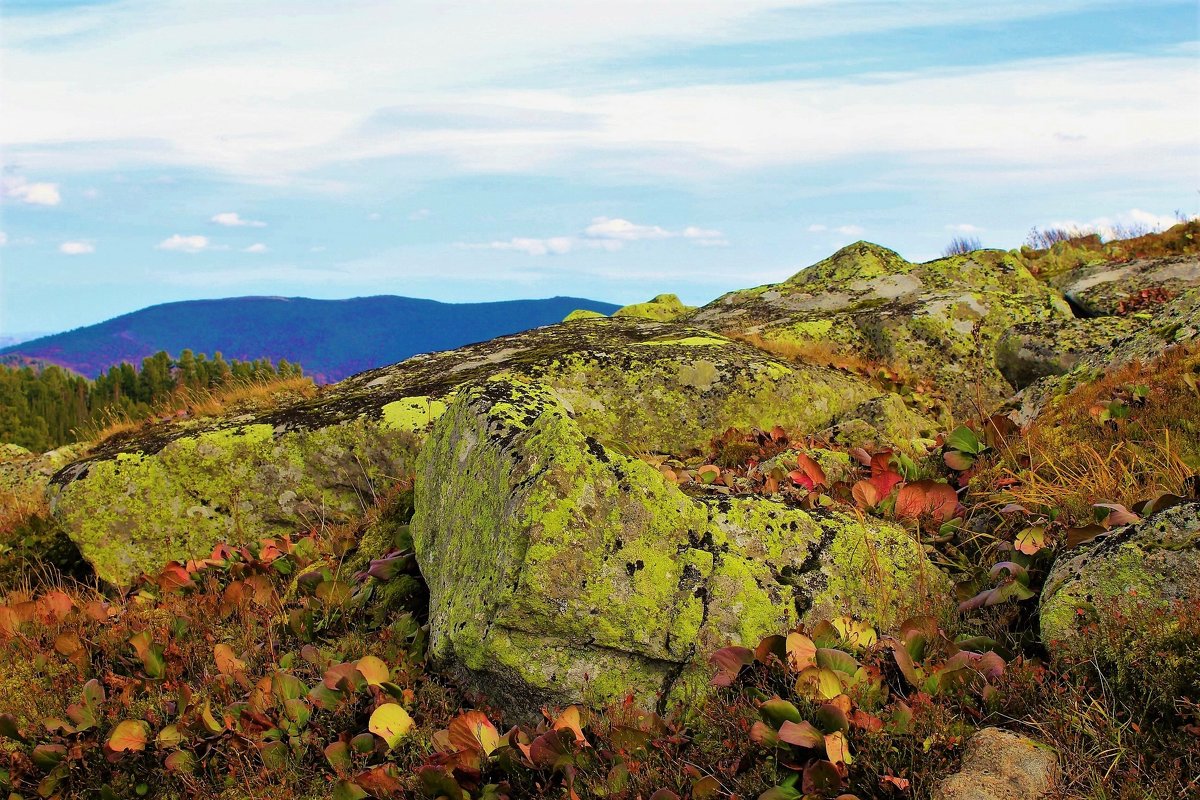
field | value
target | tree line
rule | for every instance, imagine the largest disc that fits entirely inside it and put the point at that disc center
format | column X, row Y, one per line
column 46, row 406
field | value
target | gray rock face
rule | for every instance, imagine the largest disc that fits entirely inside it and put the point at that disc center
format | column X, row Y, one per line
column 1130, row 599
column 999, row 765
column 1102, row 289
column 939, row 320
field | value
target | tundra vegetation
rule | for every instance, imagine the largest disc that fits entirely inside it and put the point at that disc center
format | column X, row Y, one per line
column 804, row 542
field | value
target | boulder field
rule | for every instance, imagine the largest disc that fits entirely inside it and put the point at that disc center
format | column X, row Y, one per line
column 562, row 566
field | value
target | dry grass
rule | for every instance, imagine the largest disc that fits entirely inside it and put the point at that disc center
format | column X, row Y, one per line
column 191, row 403
column 1070, row 459
column 822, row 353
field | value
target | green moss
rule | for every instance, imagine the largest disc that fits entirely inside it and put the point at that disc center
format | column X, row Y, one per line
column 136, row 512
column 582, row 313
column 413, row 414
column 550, row 557
column 663, row 308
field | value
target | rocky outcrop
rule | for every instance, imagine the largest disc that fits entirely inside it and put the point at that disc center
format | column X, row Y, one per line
column 1034, row 350
column 663, row 308
column 171, row 491
column 561, row 570
column 1129, row 602
column 940, row 320
column 1103, row 290
column 999, row 765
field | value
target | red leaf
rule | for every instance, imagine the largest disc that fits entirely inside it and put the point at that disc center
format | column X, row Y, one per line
column 885, row 481
column 812, row 469
column 800, row 479
column 927, row 498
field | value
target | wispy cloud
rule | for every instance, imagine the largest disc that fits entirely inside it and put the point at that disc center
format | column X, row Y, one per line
column 603, row 233
column 964, row 227
column 257, row 247
column 34, row 194
column 185, row 244
column 76, row 248
column 232, row 219
column 1122, row 223
column 3, row 238
column 845, row 230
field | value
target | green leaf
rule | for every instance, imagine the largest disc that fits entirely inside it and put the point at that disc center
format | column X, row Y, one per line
column 829, row 658
column 964, row 440
column 180, row 762
column 338, row 755
column 777, row 711
column 9, row 729
column 345, row 790
column 47, row 756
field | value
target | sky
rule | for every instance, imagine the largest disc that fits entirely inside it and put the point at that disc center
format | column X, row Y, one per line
column 162, row 150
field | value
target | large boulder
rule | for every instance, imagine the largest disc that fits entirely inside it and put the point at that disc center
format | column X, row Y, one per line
column 1129, row 602
column 561, row 570
column 173, row 490
column 940, row 320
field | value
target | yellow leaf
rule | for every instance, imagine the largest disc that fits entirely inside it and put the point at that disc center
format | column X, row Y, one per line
column 374, row 670
column 130, row 735
column 837, row 749
column 391, row 723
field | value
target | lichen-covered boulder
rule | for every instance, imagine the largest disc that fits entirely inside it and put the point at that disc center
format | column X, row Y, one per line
column 663, row 308
column 1117, row 289
column 560, row 570
column 1129, row 602
column 939, row 320
column 1033, row 350
column 886, row 422
column 1141, row 338
column 172, row 491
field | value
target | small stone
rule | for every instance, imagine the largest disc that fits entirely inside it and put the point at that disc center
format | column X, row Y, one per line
column 999, row 765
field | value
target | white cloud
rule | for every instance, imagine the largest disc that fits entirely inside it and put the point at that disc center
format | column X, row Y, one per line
column 1133, row 222
column 374, row 216
column 232, row 219
column 3, row 238
column 847, row 230
column 555, row 246
column 34, row 194
column 76, row 248
column 125, row 92
column 624, row 230
column 604, row 233
column 419, row 214
column 185, row 244
column 964, row 227
column 257, row 247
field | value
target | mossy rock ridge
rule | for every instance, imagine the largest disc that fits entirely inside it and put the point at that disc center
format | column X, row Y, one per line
column 1129, row 603
column 561, row 570
column 172, row 491
column 939, row 320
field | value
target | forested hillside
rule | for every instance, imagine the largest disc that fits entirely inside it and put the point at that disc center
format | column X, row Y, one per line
column 45, row 406
column 333, row 339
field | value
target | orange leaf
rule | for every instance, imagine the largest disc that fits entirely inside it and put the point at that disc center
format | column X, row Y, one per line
column 227, row 662
column 812, row 469
column 937, row 500
column 866, row 494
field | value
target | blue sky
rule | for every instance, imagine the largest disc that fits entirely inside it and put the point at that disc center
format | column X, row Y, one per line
column 158, row 150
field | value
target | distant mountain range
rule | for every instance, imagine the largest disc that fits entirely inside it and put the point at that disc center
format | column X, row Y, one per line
column 331, row 339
